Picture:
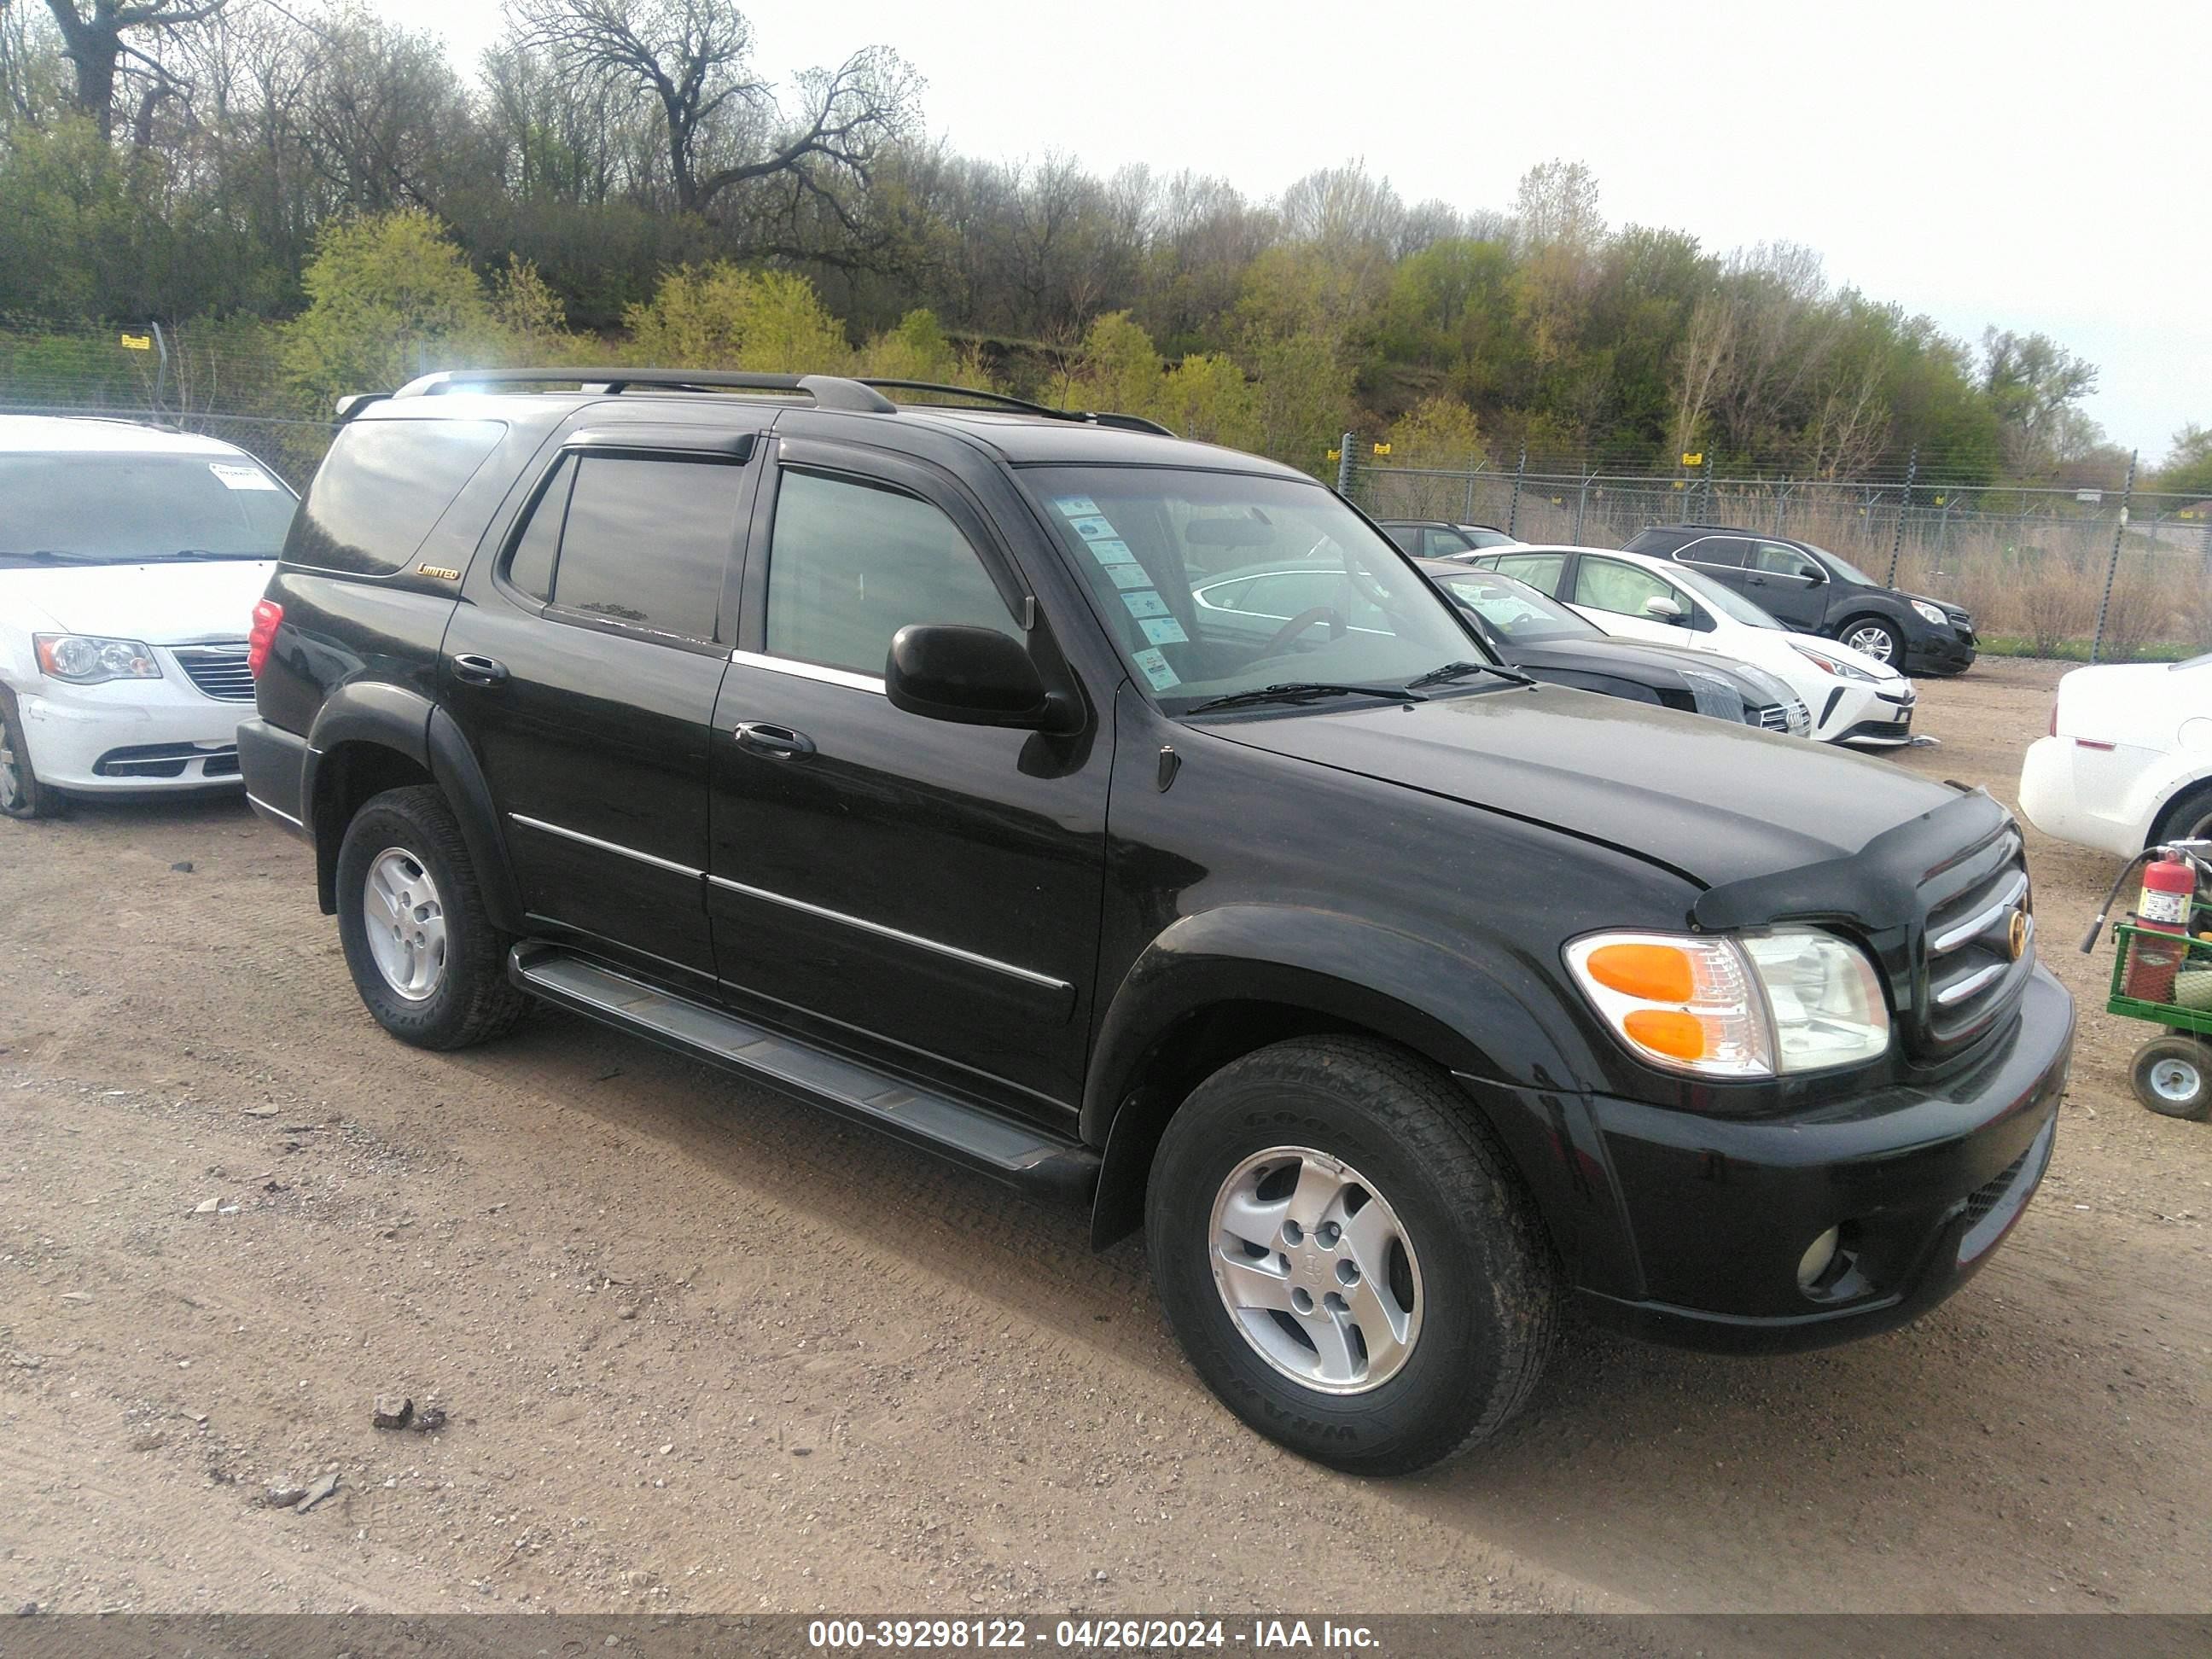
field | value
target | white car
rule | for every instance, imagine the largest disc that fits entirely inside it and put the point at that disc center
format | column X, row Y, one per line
column 1853, row 698
column 130, row 562
column 2128, row 759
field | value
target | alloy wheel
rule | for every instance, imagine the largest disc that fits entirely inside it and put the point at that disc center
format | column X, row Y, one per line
column 1315, row 1270
column 1871, row 641
column 405, row 922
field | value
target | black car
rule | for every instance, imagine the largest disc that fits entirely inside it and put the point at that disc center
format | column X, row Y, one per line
column 1544, row 639
column 1811, row 590
column 882, row 754
column 1440, row 538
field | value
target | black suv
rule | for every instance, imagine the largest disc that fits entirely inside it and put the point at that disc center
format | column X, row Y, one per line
column 879, row 753
column 1811, row 590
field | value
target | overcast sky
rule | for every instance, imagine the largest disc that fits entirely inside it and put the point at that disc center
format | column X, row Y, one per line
column 2035, row 166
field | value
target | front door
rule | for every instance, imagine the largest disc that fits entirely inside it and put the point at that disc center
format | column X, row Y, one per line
column 927, row 891
column 1617, row 595
column 584, row 675
column 1788, row 585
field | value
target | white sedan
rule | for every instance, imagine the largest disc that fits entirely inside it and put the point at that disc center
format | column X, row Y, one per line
column 2128, row 759
column 1853, row 698
column 130, row 562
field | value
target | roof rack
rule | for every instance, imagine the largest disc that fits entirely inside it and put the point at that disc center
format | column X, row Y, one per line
column 828, row 391
column 1005, row 400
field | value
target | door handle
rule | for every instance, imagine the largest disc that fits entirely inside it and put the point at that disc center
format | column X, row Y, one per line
column 472, row 670
column 778, row 741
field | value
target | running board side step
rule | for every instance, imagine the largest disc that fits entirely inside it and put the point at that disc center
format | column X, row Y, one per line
column 1037, row 1161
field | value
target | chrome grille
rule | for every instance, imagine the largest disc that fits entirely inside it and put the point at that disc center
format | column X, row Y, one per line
column 1786, row 717
column 220, row 670
column 1971, row 977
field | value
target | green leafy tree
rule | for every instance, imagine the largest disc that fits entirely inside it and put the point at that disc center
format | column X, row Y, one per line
column 389, row 295
column 721, row 317
column 2188, row 468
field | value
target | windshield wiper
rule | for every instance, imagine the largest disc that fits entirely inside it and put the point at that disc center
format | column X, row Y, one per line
column 1308, row 691
column 210, row 553
column 1458, row 670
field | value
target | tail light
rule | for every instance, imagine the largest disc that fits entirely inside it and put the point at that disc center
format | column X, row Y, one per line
column 262, row 635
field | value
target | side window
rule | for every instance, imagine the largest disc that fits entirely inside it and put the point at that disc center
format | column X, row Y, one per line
column 1726, row 552
column 851, row 564
column 530, row 566
column 1780, row 561
column 647, row 542
column 1541, row 571
column 1621, row 589
column 1446, row 544
column 1407, row 536
column 381, row 488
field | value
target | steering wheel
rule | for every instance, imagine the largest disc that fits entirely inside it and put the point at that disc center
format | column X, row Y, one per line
column 1299, row 624
column 1362, row 583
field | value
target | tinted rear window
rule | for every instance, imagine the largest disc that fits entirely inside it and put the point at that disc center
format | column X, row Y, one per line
column 647, row 542
column 383, row 486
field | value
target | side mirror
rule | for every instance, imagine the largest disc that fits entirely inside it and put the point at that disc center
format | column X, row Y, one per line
column 1662, row 609
column 969, row 676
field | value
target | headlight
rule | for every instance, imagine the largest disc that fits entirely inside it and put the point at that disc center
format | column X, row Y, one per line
column 1714, row 695
column 1931, row 613
column 88, row 659
column 1828, row 665
column 1792, row 999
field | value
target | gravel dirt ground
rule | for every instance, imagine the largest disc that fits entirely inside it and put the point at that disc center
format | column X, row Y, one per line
column 701, row 1350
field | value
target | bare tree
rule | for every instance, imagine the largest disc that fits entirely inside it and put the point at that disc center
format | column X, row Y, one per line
column 722, row 124
column 92, row 41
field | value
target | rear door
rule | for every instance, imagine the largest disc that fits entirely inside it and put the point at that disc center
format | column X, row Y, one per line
column 930, row 891
column 584, row 677
column 1787, row 585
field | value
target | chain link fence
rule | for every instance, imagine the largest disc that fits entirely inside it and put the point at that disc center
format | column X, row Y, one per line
column 225, row 379
column 2111, row 575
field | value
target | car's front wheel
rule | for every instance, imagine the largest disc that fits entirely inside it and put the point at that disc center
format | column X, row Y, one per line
column 1345, row 1257
column 22, row 794
column 1873, row 637
column 423, row 954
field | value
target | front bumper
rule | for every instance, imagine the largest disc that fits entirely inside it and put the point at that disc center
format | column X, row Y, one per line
column 131, row 737
column 1923, row 1183
column 1878, row 718
column 1949, row 653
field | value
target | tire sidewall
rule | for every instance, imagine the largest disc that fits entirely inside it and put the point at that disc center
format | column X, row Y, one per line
column 1858, row 624
column 38, row 801
column 1424, row 1411
column 2197, row 1053
column 438, row 1019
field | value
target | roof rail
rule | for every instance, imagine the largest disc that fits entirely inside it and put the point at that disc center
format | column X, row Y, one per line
column 1005, row 400
column 828, row 391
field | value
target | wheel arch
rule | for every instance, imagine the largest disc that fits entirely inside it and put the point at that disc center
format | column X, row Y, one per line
column 1216, row 987
column 369, row 738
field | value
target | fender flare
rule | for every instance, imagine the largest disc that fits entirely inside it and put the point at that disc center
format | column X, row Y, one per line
column 407, row 723
column 1441, row 1003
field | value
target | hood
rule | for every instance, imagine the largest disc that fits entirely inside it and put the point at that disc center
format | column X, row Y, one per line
column 1842, row 653
column 1662, row 665
column 1720, row 803
column 181, row 604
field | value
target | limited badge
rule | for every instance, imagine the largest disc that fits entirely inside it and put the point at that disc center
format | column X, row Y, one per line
column 440, row 571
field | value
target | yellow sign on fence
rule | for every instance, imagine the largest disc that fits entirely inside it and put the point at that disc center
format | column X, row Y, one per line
column 1693, row 458
column 137, row 342
column 1336, row 454
column 1382, row 449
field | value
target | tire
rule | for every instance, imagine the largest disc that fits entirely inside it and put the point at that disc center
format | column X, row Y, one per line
column 2173, row 1076
column 457, row 993
column 22, row 794
column 2188, row 819
column 1883, row 642
column 1470, row 1266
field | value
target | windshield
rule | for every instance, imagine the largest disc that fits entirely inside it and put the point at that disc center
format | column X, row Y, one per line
column 1726, row 601
column 1221, row 583
column 117, row 509
column 1514, row 611
column 1850, row 571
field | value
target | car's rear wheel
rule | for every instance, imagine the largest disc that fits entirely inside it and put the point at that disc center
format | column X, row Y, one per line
column 1346, row 1256
column 423, row 954
column 1873, row 637
column 22, row 794
column 2189, row 818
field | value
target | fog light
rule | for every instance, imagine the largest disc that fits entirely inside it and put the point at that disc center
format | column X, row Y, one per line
column 1818, row 1256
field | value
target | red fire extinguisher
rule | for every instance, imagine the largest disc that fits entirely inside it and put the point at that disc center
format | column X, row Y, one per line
column 2169, row 885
